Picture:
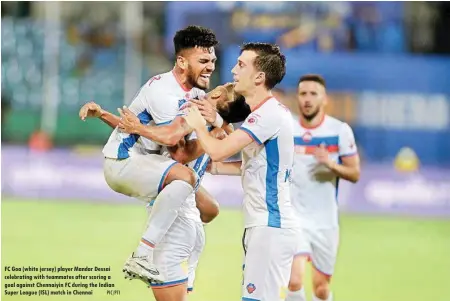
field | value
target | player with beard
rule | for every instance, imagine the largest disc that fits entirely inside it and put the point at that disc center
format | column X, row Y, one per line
column 135, row 166
column 177, row 255
column 325, row 151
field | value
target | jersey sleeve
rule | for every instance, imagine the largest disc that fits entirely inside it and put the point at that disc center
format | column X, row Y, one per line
column 158, row 105
column 347, row 145
column 261, row 126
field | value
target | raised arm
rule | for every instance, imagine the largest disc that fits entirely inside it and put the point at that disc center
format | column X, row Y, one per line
column 91, row 109
column 169, row 134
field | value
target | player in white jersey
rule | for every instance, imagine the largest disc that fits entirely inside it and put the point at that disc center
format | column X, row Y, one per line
column 325, row 151
column 135, row 167
column 266, row 141
column 178, row 253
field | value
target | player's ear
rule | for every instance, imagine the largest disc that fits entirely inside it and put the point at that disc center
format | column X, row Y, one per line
column 182, row 62
column 260, row 78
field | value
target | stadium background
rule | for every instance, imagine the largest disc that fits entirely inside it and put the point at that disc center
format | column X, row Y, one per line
column 387, row 65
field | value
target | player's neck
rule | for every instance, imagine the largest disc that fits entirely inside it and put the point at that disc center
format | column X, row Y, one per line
column 313, row 123
column 257, row 98
column 181, row 78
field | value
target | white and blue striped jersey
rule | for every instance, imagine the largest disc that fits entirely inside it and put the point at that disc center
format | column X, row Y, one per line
column 315, row 187
column 266, row 167
column 158, row 102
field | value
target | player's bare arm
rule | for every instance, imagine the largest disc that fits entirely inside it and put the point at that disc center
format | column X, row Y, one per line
column 182, row 152
column 348, row 170
column 169, row 134
column 206, row 204
column 225, row 168
column 187, row 151
column 91, row 109
column 218, row 150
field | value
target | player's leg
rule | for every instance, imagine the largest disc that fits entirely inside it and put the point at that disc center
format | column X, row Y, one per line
column 171, row 293
column 176, row 184
column 144, row 176
column 296, row 282
column 195, row 256
column 172, row 258
column 207, row 205
column 324, row 252
column 295, row 287
column 267, row 264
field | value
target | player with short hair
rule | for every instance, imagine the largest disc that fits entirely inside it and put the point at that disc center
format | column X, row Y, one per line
column 136, row 168
column 176, row 258
column 325, row 151
column 266, row 141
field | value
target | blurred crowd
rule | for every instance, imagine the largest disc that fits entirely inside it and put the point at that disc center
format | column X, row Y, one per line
column 385, row 27
column 93, row 40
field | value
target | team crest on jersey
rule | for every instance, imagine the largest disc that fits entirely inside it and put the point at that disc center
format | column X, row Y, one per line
column 307, row 137
column 253, row 119
column 251, row 288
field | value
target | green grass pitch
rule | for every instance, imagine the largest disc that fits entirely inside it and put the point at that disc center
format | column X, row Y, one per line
column 380, row 259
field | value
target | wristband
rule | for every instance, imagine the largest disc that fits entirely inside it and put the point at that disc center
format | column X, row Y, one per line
column 219, row 121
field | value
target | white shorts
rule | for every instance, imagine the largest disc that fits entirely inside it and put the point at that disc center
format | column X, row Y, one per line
column 178, row 253
column 139, row 176
column 267, row 266
column 321, row 245
column 195, row 255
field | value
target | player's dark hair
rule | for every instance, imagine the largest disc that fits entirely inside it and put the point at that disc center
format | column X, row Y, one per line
column 193, row 36
column 313, row 78
column 237, row 111
column 269, row 60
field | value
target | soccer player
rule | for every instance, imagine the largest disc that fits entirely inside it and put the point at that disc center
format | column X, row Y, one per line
column 325, row 151
column 178, row 253
column 135, row 167
column 266, row 141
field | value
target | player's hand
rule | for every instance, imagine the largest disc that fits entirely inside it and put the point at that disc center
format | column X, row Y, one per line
column 206, row 109
column 90, row 109
column 194, row 118
column 322, row 156
column 218, row 133
column 129, row 123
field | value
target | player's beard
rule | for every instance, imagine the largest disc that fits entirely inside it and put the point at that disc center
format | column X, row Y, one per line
column 192, row 79
column 311, row 116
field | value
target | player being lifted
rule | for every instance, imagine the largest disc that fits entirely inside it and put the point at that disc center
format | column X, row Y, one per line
column 325, row 151
column 266, row 141
column 178, row 253
column 135, row 166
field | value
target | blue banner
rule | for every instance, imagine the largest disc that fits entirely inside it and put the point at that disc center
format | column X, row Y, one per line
column 391, row 101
